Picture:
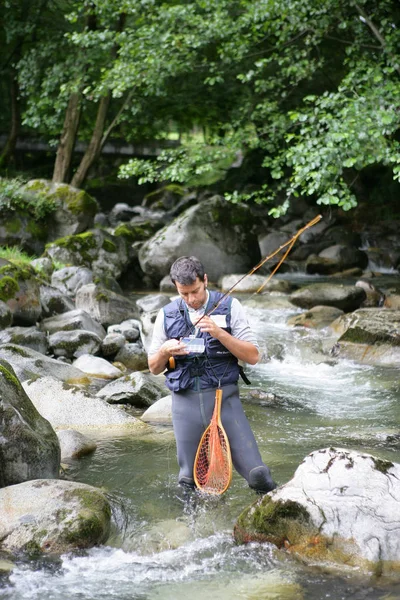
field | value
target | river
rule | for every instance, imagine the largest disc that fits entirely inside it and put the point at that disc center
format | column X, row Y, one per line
column 168, row 544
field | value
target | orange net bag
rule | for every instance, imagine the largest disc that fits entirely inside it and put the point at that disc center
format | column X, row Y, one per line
column 213, row 463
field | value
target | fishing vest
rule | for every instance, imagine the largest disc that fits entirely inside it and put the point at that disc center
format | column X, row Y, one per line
column 206, row 370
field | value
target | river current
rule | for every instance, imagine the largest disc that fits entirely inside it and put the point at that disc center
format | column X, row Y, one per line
column 167, row 544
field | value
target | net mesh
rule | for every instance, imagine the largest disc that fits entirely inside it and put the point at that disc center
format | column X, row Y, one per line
column 213, row 464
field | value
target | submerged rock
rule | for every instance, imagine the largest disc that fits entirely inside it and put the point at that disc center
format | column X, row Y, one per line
column 340, row 507
column 52, row 516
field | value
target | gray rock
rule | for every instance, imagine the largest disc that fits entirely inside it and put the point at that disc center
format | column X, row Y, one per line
column 317, row 317
column 75, row 209
column 166, row 285
column 336, row 258
column 74, row 319
column 29, row 447
column 112, row 343
column 6, row 316
column 54, row 302
column 133, row 356
column 105, row 306
column 372, row 336
column 22, row 290
column 345, row 297
column 72, row 344
column 130, row 329
column 68, row 406
column 53, row 517
column 96, row 367
column 271, row 242
column 160, row 412
column 137, row 389
column 98, row 250
column 74, row 444
column 29, row 364
column 29, row 337
column 43, row 265
column 69, row 279
column 218, row 233
column 152, row 302
column 346, row 502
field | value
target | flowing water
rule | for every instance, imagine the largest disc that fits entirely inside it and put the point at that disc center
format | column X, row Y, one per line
column 168, row 544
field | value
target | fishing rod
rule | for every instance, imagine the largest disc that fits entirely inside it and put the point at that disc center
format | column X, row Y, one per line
column 290, row 243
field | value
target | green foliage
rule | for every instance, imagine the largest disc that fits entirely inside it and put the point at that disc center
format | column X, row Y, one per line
column 15, row 254
column 14, row 198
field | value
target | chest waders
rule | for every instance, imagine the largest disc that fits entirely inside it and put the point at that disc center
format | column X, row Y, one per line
column 192, row 409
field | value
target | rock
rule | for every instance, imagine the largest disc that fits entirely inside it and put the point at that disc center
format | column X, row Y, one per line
column 271, row 242
column 336, row 258
column 166, row 285
column 29, row 364
column 105, row 306
column 19, row 289
column 372, row 336
column 98, row 250
column 133, row 356
column 43, row 266
column 112, row 343
column 137, row 389
column 75, row 343
column 29, row 448
column 74, row 319
column 74, row 444
column 53, row 517
column 69, row 279
column 317, row 317
column 6, row 316
column 96, row 367
column 345, row 297
column 68, row 406
column 75, row 209
column 29, row 337
column 130, row 329
column 159, row 412
column 152, row 302
column 54, row 302
column 248, row 285
column 218, row 233
column 392, row 301
column 374, row 296
column 340, row 507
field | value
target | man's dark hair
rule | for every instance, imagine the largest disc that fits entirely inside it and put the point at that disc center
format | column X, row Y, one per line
column 186, row 269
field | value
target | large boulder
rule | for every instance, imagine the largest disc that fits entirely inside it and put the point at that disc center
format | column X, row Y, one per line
column 137, row 389
column 29, row 447
column 105, row 306
column 371, row 336
column 74, row 209
column 52, row 517
column 340, row 507
column 29, row 364
column 19, row 289
column 218, row 233
column 72, row 320
column 67, row 406
column 98, row 250
column 345, row 297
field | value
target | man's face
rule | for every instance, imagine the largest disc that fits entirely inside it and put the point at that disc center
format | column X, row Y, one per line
column 194, row 294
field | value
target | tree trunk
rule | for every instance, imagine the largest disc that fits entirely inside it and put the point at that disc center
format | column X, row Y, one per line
column 8, row 153
column 95, row 145
column 67, row 140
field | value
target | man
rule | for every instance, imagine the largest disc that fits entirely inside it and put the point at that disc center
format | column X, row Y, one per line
column 194, row 376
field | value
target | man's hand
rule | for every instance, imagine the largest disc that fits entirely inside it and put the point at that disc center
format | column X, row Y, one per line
column 244, row 351
column 159, row 360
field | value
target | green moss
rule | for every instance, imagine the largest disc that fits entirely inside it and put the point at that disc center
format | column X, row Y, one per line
column 12, row 225
column 17, row 350
column 101, row 296
column 382, row 465
column 357, row 335
column 109, row 246
column 37, row 229
column 8, row 288
column 81, row 244
column 276, row 522
column 21, row 271
column 10, row 377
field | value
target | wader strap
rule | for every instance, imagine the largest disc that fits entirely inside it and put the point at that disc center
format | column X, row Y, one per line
column 244, row 376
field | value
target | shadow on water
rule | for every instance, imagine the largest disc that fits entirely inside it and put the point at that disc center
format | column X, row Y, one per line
column 167, row 543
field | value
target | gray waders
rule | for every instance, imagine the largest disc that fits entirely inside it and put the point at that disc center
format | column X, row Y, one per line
column 191, row 415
